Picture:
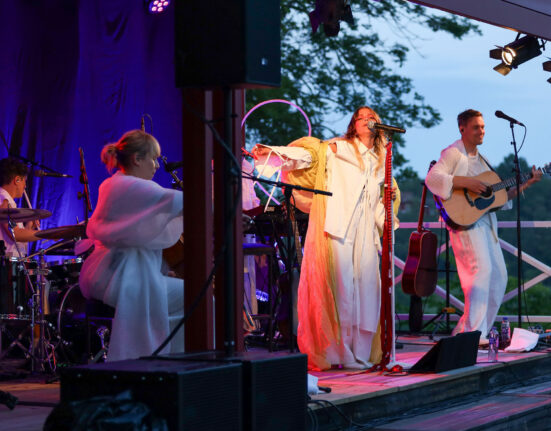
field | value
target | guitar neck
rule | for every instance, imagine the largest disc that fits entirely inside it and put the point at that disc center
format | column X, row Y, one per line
column 422, row 209
column 509, row 182
column 423, row 200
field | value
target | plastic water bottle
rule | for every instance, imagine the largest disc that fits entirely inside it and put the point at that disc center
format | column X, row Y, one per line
column 505, row 334
column 493, row 339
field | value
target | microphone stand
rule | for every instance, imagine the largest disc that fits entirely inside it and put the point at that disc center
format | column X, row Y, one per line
column 33, row 163
column 176, row 181
column 516, row 169
column 288, row 244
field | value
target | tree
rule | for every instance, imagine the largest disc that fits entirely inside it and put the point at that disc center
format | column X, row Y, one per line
column 330, row 77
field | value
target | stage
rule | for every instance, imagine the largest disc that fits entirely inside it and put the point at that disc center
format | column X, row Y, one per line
column 510, row 394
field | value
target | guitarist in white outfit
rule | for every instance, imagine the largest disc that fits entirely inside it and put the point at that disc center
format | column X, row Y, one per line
column 478, row 256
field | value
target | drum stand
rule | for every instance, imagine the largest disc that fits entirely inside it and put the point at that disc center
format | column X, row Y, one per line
column 39, row 345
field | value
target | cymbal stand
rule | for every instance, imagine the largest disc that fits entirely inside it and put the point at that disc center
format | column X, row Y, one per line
column 37, row 350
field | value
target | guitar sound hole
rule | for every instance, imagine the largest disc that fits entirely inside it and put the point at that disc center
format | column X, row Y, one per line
column 486, row 193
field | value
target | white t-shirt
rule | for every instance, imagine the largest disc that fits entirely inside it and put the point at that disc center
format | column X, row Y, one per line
column 5, row 235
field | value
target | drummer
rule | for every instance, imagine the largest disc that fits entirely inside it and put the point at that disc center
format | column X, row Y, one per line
column 13, row 179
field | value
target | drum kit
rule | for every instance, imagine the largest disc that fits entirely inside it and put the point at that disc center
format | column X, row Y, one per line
column 45, row 297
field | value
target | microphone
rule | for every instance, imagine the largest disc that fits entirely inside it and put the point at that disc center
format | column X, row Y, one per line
column 500, row 114
column 373, row 125
column 142, row 123
column 40, row 173
column 169, row 167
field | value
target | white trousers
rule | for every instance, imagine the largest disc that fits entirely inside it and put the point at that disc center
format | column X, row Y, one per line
column 357, row 289
column 482, row 274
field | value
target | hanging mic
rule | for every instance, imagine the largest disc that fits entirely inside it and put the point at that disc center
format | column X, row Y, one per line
column 373, row 125
column 40, row 173
column 500, row 114
column 169, row 167
column 142, row 123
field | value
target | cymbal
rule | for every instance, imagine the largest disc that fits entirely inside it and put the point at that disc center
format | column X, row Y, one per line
column 63, row 232
column 23, row 214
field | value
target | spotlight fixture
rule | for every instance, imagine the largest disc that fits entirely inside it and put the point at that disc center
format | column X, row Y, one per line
column 547, row 67
column 157, row 6
column 330, row 13
column 516, row 53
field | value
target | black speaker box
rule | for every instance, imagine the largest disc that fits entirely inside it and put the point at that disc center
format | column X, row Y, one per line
column 189, row 395
column 450, row 353
column 274, row 388
column 227, row 43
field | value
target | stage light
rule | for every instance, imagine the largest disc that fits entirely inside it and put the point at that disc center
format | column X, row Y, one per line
column 330, row 13
column 515, row 53
column 547, row 67
column 157, row 6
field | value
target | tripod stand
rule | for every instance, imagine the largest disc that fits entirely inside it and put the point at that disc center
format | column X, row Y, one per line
column 447, row 310
column 39, row 333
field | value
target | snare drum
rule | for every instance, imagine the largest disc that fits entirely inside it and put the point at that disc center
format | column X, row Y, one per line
column 15, row 294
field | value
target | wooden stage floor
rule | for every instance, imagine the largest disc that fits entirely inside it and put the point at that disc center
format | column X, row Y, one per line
column 376, row 400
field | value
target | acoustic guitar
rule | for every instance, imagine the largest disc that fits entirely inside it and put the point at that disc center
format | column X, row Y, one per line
column 420, row 273
column 464, row 208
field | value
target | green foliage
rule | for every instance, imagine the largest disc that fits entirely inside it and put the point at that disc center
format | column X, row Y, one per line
column 330, row 77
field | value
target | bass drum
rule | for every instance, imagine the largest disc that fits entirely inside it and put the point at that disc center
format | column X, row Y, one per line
column 71, row 326
column 70, row 313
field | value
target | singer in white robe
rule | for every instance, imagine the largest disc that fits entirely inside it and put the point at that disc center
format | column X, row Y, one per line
column 134, row 220
column 353, row 215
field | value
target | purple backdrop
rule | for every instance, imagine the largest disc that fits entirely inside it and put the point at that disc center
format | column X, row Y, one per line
column 79, row 74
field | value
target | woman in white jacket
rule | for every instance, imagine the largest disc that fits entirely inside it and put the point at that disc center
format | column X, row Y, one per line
column 135, row 219
column 339, row 289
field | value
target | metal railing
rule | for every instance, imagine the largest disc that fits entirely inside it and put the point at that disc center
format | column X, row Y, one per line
column 544, row 269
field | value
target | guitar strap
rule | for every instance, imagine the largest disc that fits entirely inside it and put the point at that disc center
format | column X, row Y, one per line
column 488, row 163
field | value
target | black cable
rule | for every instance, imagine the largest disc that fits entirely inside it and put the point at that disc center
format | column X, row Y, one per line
column 523, row 139
column 229, row 223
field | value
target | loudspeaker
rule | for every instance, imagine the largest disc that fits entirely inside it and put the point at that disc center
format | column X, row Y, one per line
column 227, row 43
column 450, row 353
column 194, row 395
column 274, row 388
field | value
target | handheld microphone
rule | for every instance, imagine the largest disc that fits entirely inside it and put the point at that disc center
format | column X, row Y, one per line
column 373, row 125
column 500, row 114
column 169, row 167
column 40, row 173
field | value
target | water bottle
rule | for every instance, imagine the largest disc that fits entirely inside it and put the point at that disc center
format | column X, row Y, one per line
column 493, row 339
column 505, row 335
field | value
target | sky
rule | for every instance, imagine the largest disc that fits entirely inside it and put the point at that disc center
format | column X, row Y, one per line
column 454, row 75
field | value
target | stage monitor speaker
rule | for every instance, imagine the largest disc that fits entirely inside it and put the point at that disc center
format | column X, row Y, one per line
column 450, row 353
column 189, row 395
column 274, row 388
column 221, row 43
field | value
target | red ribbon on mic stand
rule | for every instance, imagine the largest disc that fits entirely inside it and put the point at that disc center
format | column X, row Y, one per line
column 387, row 274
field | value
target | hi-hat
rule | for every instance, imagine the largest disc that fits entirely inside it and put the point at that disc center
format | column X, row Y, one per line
column 21, row 215
column 63, row 232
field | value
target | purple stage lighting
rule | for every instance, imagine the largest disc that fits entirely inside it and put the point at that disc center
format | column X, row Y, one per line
column 157, row 6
